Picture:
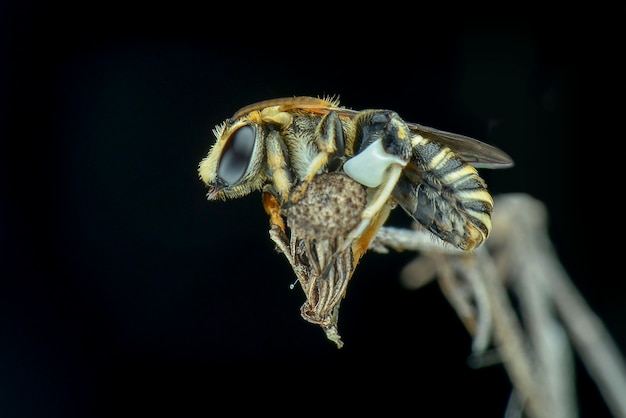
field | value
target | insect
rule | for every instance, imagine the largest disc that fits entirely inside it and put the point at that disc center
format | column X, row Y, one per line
column 330, row 176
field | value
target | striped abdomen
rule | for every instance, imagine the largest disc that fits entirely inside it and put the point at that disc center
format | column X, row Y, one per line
column 445, row 195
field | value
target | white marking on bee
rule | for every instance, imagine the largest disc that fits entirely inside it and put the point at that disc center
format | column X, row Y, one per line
column 369, row 167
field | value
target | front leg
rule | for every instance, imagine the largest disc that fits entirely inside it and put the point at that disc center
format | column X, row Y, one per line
column 278, row 165
column 273, row 209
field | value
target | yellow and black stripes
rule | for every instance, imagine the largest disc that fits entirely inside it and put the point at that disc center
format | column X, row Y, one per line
column 445, row 195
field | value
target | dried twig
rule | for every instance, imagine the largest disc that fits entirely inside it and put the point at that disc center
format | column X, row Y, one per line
column 518, row 261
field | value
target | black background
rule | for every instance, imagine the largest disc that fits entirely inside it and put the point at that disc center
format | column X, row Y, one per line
column 124, row 290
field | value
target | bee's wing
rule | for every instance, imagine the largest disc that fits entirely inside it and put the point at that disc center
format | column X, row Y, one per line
column 472, row 151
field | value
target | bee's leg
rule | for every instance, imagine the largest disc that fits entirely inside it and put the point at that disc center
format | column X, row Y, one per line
column 278, row 165
column 330, row 142
column 276, row 193
column 272, row 208
column 278, row 233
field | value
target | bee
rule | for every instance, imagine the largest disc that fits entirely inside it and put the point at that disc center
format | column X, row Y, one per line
column 329, row 177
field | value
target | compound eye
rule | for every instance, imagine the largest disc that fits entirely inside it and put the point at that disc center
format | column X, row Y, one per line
column 236, row 155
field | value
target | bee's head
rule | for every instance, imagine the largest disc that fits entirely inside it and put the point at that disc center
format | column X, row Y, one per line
column 235, row 164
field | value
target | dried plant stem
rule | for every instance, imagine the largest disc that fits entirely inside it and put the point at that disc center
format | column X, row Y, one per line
column 508, row 335
column 537, row 339
column 593, row 343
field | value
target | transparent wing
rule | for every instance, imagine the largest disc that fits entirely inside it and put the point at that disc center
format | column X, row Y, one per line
column 472, row 151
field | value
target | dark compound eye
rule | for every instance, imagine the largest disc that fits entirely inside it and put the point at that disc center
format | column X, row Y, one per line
column 237, row 155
